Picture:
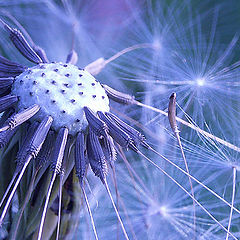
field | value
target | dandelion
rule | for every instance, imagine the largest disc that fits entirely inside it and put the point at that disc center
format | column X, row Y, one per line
column 60, row 126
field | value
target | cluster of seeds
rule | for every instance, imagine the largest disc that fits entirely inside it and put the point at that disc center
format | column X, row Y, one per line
column 61, row 91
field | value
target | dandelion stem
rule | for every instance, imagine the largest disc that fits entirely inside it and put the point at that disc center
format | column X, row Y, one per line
column 46, row 205
column 233, row 197
column 173, row 123
column 115, row 208
column 89, row 211
column 15, row 188
column 178, row 184
column 129, row 49
column 59, row 206
column 8, row 188
column 207, row 134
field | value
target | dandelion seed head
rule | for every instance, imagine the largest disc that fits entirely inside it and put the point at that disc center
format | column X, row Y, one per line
column 200, row 82
column 61, row 94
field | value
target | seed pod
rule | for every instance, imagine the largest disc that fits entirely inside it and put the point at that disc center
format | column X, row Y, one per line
column 172, row 112
column 118, row 96
column 120, row 136
column 45, row 151
column 81, row 161
column 7, row 102
column 59, row 149
column 22, row 45
column 72, row 57
column 40, row 136
column 20, row 117
column 96, row 156
column 98, row 126
column 137, row 137
column 6, row 82
column 10, row 68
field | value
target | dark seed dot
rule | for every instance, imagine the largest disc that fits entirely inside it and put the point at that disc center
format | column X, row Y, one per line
column 53, row 101
column 66, row 85
column 29, row 71
column 79, row 84
column 47, row 91
column 65, row 65
column 77, row 120
column 93, row 84
column 55, row 70
column 31, row 93
column 73, row 100
column 63, row 111
column 80, row 68
column 53, row 82
column 80, row 93
column 67, row 75
column 62, row 91
column 21, row 81
column 53, row 62
column 94, row 96
column 103, row 97
column 80, row 75
column 43, row 74
column 34, row 82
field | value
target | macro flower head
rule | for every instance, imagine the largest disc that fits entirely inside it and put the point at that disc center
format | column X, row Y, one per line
column 81, row 85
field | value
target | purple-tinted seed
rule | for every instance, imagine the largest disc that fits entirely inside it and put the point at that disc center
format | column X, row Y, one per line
column 59, row 149
column 55, row 70
column 34, row 82
column 62, row 91
column 43, row 74
column 79, row 84
column 98, row 126
column 77, row 120
column 53, row 101
column 22, row 45
column 29, row 71
column 73, row 100
column 31, row 93
column 21, row 81
column 65, row 65
column 22, row 116
column 103, row 97
column 80, row 93
column 47, row 91
column 63, row 111
column 67, row 75
column 93, row 84
column 80, row 75
column 66, row 85
column 94, row 96
column 53, row 82
column 80, row 68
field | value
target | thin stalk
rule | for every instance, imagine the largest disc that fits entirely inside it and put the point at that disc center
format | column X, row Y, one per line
column 45, row 206
column 207, row 134
column 233, row 197
column 15, row 188
column 59, row 206
column 115, row 208
column 89, row 211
